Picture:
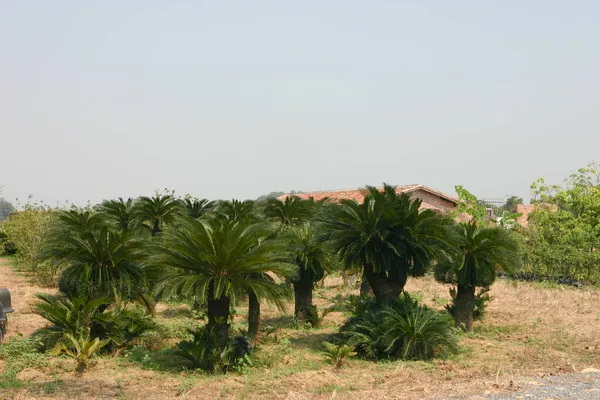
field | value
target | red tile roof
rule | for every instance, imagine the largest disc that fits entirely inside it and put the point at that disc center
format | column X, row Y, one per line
column 358, row 194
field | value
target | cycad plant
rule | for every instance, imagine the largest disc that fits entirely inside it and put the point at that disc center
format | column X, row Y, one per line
column 389, row 237
column 156, row 212
column 484, row 250
column 402, row 329
column 80, row 348
column 237, row 210
column 217, row 259
column 71, row 316
column 310, row 256
column 291, row 211
column 99, row 261
column 196, row 208
column 120, row 212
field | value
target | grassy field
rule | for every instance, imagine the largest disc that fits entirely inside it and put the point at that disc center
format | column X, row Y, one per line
column 530, row 330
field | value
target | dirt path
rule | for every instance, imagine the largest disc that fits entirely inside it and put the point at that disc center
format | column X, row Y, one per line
column 22, row 291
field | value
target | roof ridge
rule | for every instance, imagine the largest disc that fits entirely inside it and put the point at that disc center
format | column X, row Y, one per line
column 353, row 189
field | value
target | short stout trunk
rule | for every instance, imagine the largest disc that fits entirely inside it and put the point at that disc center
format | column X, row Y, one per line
column 465, row 299
column 365, row 287
column 303, row 291
column 218, row 320
column 156, row 227
column 253, row 315
column 384, row 288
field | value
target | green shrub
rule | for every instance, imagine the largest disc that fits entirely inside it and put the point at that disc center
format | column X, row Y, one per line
column 6, row 246
column 80, row 348
column 482, row 298
column 201, row 353
column 83, row 320
column 124, row 327
column 337, row 355
column 401, row 330
column 26, row 232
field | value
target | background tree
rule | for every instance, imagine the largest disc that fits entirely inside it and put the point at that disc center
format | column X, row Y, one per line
column 511, row 203
column 564, row 229
column 483, row 251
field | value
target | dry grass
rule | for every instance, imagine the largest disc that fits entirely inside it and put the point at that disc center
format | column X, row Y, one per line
column 529, row 331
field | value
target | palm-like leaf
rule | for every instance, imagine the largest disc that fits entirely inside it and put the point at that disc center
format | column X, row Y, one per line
column 72, row 316
column 483, row 250
column 388, row 233
column 309, row 252
column 99, row 261
column 120, row 211
column 155, row 212
column 291, row 211
column 221, row 255
column 196, row 208
column 236, row 210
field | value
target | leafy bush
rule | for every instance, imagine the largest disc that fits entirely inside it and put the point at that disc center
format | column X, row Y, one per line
column 80, row 348
column 315, row 319
column 83, row 320
column 6, row 246
column 201, row 353
column 25, row 234
column 402, row 329
column 337, row 355
column 70, row 316
column 479, row 306
column 124, row 326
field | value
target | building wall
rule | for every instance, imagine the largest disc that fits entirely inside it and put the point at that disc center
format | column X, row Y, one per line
column 433, row 200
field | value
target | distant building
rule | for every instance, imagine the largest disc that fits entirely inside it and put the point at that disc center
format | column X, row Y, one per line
column 526, row 209
column 431, row 199
column 5, row 209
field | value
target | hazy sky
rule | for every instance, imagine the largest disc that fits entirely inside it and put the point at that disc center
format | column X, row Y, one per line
column 226, row 99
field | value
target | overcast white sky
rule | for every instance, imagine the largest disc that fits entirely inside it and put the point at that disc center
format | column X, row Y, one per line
column 226, row 99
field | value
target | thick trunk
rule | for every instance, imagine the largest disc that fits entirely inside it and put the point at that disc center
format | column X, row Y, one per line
column 465, row 298
column 253, row 315
column 218, row 320
column 365, row 288
column 384, row 288
column 303, row 290
column 156, row 227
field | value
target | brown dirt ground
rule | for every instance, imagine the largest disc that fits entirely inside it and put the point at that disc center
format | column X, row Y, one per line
column 529, row 331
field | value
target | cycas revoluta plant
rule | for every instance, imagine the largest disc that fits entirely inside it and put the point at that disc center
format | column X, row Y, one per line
column 310, row 256
column 483, row 251
column 98, row 260
column 291, row 211
column 237, row 210
column 337, row 355
column 71, row 316
column 196, row 208
column 218, row 259
column 402, row 329
column 80, row 348
column 120, row 212
column 156, row 212
column 389, row 237
column 479, row 304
